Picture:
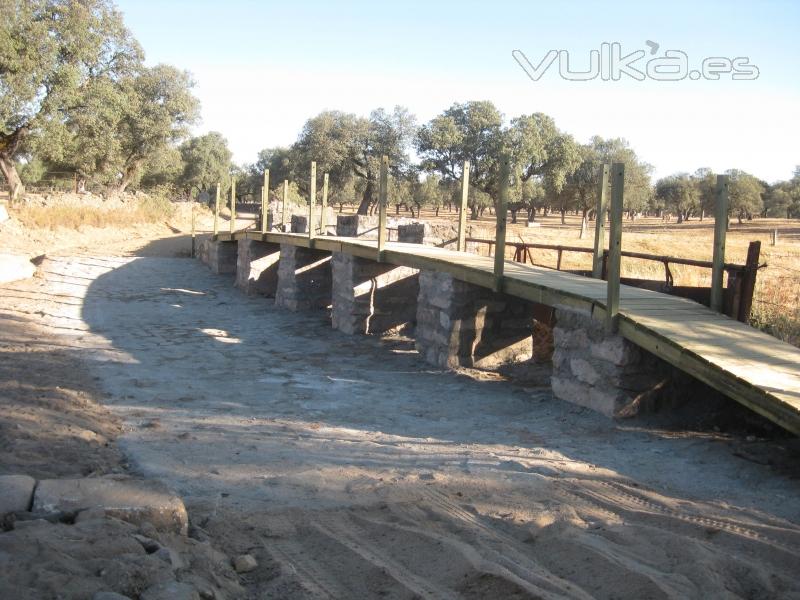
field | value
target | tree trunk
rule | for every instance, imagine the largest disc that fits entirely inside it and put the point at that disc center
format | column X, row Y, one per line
column 513, row 215
column 473, row 212
column 363, row 208
column 437, row 211
column 563, row 216
column 9, row 170
column 127, row 176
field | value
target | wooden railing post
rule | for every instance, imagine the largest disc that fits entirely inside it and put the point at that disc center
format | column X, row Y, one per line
column 383, row 196
column 600, row 223
column 323, row 225
column 749, row 281
column 216, row 212
column 264, row 201
column 500, row 230
column 233, row 206
column 615, row 246
column 312, row 199
column 462, row 213
column 720, row 231
column 283, row 208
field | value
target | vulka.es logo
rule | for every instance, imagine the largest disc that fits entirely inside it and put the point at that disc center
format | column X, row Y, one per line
column 610, row 64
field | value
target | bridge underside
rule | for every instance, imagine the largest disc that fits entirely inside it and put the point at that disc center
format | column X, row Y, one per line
column 448, row 300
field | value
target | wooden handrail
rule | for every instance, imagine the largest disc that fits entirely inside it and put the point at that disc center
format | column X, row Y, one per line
column 707, row 264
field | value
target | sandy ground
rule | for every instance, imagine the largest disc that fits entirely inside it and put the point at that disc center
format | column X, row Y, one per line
column 351, row 469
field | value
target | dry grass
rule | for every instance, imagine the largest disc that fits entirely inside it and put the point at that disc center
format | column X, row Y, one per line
column 76, row 214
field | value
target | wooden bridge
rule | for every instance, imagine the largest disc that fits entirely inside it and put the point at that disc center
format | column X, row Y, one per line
column 745, row 364
column 739, row 361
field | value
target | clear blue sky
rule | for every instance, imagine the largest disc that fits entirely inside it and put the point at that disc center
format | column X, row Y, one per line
column 263, row 68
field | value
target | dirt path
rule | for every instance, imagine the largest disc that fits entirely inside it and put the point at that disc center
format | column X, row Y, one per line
column 351, row 469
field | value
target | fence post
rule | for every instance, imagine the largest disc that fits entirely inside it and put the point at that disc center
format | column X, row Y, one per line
column 233, row 206
column 216, row 213
column 720, row 231
column 500, row 230
column 615, row 246
column 383, row 197
column 283, row 208
column 749, row 281
column 462, row 213
column 312, row 199
column 323, row 225
column 194, row 235
column 264, row 201
column 774, row 237
column 600, row 223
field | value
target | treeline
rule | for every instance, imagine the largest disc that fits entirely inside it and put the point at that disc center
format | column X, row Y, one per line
column 551, row 172
column 77, row 100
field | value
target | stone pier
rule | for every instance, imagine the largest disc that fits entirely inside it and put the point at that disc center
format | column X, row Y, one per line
column 460, row 324
column 219, row 256
column 257, row 267
column 371, row 297
column 304, row 278
column 601, row 371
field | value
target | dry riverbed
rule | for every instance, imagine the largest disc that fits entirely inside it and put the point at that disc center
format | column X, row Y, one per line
column 348, row 468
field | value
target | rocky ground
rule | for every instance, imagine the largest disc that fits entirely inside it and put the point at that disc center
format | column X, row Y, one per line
column 318, row 465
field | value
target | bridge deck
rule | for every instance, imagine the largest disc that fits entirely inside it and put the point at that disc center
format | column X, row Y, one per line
column 747, row 365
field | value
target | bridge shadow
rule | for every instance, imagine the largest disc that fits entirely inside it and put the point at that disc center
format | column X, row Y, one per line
column 202, row 355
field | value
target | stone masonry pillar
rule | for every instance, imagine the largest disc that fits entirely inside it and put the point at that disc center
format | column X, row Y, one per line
column 219, row 256
column 257, row 267
column 304, row 278
column 371, row 297
column 601, row 371
column 461, row 324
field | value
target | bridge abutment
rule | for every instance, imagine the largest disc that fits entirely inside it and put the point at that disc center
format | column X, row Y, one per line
column 257, row 267
column 304, row 278
column 220, row 257
column 602, row 371
column 461, row 324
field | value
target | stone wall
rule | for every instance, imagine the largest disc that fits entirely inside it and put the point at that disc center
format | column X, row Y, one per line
column 460, row 324
column 372, row 297
column 219, row 256
column 304, row 278
column 604, row 372
column 257, row 267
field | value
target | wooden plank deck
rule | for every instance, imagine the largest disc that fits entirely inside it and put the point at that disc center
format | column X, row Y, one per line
column 747, row 365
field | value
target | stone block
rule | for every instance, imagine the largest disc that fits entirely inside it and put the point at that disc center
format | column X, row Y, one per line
column 16, row 493
column 583, row 370
column 411, row 233
column 606, row 402
column 357, row 226
column 616, row 350
column 299, row 224
column 133, row 501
